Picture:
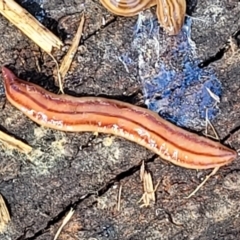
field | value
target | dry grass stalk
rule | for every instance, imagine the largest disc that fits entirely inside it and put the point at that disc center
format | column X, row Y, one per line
column 214, row 171
column 119, row 198
column 142, row 171
column 208, row 123
column 149, row 190
column 213, row 95
column 29, row 25
column 65, row 221
column 4, row 215
column 12, row 142
column 67, row 60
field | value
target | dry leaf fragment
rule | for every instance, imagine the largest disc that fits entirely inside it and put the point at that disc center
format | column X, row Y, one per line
column 29, row 25
column 4, row 215
column 14, row 143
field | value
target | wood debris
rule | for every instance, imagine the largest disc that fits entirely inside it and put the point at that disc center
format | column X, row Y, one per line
column 12, row 142
column 24, row 21
column 4, row 215
column 149, row 190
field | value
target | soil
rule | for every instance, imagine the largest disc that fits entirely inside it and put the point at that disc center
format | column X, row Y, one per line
column 84, row 171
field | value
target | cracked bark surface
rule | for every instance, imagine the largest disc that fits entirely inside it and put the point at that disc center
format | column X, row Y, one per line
column 80, row 170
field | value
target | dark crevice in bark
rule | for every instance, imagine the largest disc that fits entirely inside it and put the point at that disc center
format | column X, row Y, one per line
column 233, row 131
column 107, row 24
column 99, row 193
column 233, row 41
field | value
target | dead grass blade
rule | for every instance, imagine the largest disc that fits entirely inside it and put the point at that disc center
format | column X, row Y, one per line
column 65, row 221
column 142, row 171
column 68, row 58
column 214, row 171
column 119, row 198
column 213, row 95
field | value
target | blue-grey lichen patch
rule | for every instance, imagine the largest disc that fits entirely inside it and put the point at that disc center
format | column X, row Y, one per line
column 173, row 84
column 35, row 7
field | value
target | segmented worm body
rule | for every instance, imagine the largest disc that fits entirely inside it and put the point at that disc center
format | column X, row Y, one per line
column 127, row 8
column 94, row 114
column 170, row 13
